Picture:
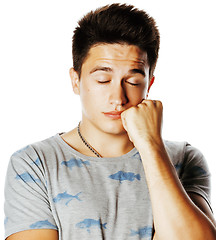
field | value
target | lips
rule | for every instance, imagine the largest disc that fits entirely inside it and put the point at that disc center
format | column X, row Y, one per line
column 113, row 114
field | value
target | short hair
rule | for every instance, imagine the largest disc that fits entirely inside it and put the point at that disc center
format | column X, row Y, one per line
column 116, row 23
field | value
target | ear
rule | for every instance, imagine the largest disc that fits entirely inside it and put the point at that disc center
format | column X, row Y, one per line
column 150, row 84
column 75, row 81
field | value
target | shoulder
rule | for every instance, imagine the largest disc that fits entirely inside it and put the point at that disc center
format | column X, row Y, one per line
column 36, row 152
column 183, row 152
column 189, row 161
column 176, row 150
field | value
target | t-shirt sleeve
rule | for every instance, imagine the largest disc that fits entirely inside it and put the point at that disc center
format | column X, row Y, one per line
column 26, row 198
column 195, row 175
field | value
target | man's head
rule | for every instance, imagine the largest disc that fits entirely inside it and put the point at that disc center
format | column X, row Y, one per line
column 116, row 24
column 115, row 50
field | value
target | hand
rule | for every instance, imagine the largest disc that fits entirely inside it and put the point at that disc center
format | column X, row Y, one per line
column 143, row 122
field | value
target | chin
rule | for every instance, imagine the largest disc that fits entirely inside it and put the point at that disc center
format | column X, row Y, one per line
column 114, row 127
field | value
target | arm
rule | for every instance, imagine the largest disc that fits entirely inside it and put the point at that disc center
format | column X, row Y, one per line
column 175, row 214
column 42, row 234
column 27, row 206
column 202, row 205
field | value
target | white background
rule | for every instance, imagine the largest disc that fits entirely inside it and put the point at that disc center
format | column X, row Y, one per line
column 35, row 56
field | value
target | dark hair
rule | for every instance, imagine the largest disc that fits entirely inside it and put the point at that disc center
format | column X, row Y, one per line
column 116, row 23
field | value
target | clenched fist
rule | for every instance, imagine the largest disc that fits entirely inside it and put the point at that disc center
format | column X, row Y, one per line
column 143, row 122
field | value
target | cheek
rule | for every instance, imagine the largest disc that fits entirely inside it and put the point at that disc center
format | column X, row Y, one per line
column 91, row 98
column 136, row 94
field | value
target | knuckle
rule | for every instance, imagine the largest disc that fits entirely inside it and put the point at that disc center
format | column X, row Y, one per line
column 160, row 104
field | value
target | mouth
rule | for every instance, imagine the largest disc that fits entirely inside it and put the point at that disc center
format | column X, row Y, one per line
column 113, row 114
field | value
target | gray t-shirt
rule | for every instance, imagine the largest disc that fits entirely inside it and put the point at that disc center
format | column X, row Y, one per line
column 49, row 185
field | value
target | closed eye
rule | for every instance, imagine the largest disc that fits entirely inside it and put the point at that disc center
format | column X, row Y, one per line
column 133, row 84
column 103, row 81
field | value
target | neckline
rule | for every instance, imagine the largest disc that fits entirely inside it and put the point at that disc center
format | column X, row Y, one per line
column 129, row 154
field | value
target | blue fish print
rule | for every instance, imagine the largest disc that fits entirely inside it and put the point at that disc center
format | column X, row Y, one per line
column 43, row 224
column 26, row 177
column 137, row 156
column 37, row 162
column 5, row 221
column 197, row 171
column 145, row 232
column 74, row 163
column 22, row 149
column 62, row 197
column 178, row 166
column 88, row 223
column 122, row 176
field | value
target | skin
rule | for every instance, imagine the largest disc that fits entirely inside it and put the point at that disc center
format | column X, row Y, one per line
column 42, row 234
column 106, row 84
column 139, row 126
column 194, row 218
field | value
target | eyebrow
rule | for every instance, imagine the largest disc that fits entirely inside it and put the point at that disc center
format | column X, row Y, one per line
column 137, row 70
column 108, row 69
column 99, row 68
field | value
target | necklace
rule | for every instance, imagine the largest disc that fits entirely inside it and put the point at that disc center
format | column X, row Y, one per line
column 86, row 143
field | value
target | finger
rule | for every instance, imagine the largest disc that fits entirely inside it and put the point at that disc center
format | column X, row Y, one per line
column 124, row 121
column 159, row 104
column 143, row 100
column 156, row 103
column 148, row 102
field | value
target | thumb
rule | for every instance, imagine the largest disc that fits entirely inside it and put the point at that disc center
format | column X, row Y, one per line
column 124, row 121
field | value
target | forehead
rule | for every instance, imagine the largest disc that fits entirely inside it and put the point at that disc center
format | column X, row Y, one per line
column 116, row 54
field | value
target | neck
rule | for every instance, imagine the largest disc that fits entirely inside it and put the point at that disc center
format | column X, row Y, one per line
column 106, row 144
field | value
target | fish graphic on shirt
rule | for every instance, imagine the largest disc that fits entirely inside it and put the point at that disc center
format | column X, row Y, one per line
column 178, row 166
column 75, row 163
column 145, row 232
column 197, row 171
column 122, row 176
column 37, row 162
column 89, row 223
column 42, row 224
column 20, row 150
column 62, row 197
column 137, row 156
column 27, row 177
column 6, row 221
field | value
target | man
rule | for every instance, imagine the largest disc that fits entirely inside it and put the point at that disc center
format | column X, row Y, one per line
column 112, row 177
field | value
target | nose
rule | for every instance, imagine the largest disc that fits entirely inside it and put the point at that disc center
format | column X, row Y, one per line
column 118, row 95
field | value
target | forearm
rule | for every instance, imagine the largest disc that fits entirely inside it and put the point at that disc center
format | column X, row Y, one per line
column 175, row 215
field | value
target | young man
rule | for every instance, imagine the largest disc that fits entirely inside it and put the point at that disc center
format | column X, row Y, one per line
column 112, row 177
